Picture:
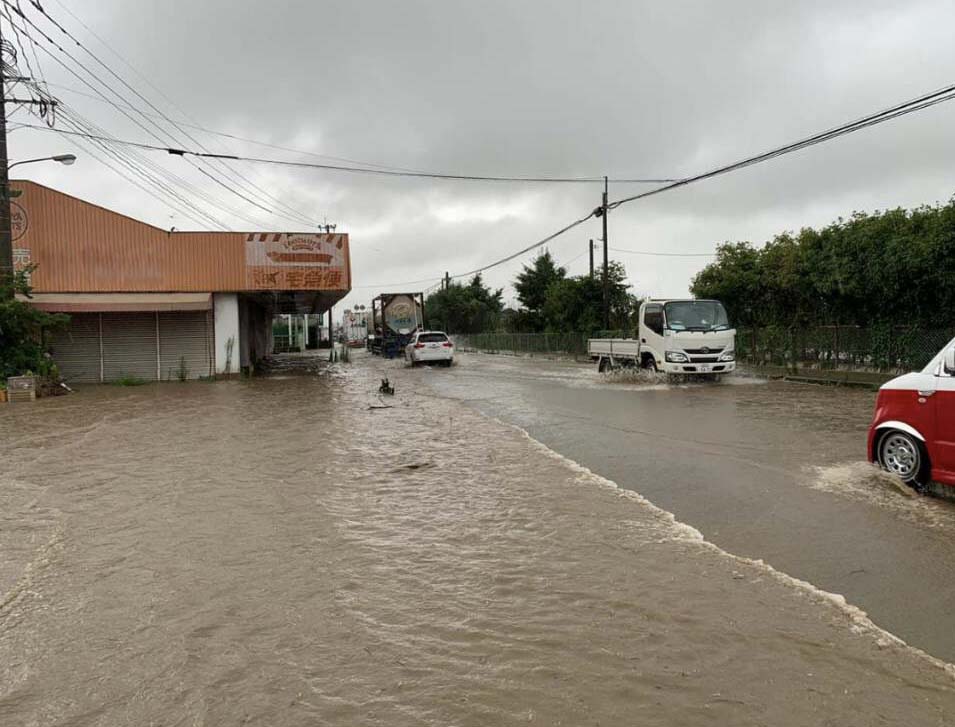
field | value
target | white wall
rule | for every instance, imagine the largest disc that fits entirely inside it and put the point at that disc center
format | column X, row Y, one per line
column 226, row 329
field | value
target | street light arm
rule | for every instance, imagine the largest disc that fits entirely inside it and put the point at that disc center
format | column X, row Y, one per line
column 62, row 158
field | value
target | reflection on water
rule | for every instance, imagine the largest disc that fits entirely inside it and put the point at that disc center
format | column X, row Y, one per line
column 278, row 553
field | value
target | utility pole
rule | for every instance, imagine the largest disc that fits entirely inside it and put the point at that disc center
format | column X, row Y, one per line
column 447, row 280
column 6, row 234
column 606, row 279
column 591, row 259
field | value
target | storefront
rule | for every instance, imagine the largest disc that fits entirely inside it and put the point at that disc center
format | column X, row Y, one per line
column 149, row 304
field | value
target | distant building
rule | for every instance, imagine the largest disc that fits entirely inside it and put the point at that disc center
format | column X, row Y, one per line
column 155, row 304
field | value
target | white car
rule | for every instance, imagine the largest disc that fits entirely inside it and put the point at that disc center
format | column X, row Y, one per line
column 430, row 347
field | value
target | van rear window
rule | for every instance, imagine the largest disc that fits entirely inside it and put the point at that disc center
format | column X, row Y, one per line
column 432, row 338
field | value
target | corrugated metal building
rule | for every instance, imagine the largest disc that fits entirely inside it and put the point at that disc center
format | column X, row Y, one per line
column 160, row 304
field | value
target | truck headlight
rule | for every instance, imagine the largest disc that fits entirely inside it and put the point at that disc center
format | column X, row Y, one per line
column 676, row 357
column 728, row 356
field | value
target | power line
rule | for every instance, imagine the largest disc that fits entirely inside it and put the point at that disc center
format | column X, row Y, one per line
column 946, row 93
column 297, row 216
column 362, row 170
column 664, row 254
column 539, row 243
column 922, row 102
column 397, row 285
column 14, row 9
column 100, row 137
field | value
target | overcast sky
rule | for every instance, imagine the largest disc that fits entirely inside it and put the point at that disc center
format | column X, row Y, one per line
column 627, row 89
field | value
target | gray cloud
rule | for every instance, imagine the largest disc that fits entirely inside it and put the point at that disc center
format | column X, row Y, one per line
column 555, row 88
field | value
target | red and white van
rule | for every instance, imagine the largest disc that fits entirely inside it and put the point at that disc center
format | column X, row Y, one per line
column 913, row 429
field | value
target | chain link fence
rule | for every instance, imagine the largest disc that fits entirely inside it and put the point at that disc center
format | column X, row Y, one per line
column 846, row 348
column 849, row 348
column 568, row 344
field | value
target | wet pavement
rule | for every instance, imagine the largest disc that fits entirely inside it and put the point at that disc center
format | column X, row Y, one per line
column 300, row 550
column 767, row 470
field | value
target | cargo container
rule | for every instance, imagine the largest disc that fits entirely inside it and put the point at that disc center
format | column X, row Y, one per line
column 395, row 317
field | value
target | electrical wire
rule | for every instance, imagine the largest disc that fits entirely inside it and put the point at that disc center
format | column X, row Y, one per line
column 539, row 243
column 664, row 254
column 82, row 131
column 289, row 213
column 941, row 95
column 13, row 9
column 397, row 285
column 361, row 170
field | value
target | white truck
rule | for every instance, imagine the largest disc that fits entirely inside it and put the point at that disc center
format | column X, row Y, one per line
column 682, row 337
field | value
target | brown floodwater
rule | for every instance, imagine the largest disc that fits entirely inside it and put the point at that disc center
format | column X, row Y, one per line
column 286, row 551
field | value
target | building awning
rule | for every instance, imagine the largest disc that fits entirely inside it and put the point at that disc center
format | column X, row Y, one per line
column 118, row 302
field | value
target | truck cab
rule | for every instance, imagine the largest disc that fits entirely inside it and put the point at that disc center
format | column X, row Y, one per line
column 686, row 336
column 912, row 434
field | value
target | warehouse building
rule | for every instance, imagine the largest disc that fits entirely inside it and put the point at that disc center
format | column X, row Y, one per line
column 155, row 304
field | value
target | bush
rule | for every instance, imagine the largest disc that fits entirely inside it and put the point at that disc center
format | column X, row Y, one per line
column 24, row 330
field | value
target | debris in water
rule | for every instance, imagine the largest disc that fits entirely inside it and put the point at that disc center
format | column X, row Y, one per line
column 386, row 388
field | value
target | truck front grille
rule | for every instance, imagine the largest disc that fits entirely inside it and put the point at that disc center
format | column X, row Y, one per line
column 716, row 350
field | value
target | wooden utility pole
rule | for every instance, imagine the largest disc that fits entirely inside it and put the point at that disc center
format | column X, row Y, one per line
column 6, row 234
column 606, row 279
column 591, row 259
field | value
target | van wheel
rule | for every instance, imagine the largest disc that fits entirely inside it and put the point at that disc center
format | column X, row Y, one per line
column 903, row 455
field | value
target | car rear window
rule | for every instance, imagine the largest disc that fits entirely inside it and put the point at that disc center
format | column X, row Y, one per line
column 432, row 338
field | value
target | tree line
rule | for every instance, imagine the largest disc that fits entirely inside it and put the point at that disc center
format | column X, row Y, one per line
column 888, row 268
column 550, row 301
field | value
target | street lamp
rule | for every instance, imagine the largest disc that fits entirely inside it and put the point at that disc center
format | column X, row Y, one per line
column 66, row 159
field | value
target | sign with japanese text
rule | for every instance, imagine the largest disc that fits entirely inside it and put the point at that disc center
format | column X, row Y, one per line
column 296, row 261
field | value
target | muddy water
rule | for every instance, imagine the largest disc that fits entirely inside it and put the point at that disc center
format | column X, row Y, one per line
column 279, row 553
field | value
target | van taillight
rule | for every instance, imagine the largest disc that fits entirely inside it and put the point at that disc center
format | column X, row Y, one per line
column 447, row 344
column 419, row 345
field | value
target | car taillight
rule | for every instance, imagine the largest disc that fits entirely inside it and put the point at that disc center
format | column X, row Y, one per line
column 448, row 344
column 419, row 345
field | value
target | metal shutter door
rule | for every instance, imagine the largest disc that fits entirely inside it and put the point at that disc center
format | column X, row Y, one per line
column 76, row 349
column 129, row 345
column 184, row 338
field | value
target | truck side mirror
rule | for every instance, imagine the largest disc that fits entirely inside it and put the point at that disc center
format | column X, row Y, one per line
column 948, row 361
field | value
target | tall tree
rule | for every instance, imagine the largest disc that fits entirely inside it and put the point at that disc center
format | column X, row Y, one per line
column 576, row 304
column 467, row 308
column 532, row 284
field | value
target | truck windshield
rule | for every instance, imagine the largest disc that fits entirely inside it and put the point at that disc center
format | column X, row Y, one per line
column 696, row 315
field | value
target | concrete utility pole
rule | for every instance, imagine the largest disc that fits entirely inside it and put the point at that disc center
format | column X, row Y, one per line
column 606, row 280
column 591, row 259
column 6, row 234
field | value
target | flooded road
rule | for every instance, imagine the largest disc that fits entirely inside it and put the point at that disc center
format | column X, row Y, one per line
column 773, row 471
column 288, row 551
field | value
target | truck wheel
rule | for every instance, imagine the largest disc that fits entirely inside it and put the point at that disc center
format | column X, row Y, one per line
column 604, row 366
column 649, row 363
column 903, row 455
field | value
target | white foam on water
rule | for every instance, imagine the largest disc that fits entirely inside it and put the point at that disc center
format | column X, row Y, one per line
column 860, row 623
column 865, row 482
